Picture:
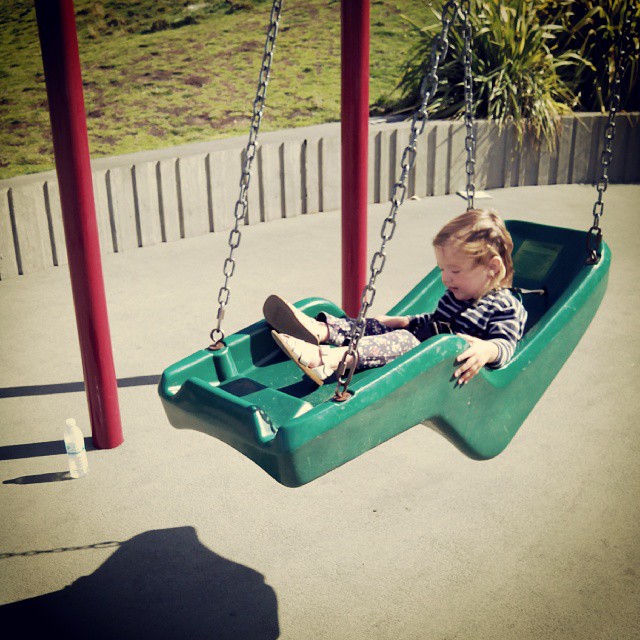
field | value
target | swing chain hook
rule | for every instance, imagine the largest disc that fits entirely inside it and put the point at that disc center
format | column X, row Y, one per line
column 248, row 155
column 428, row 89
column 594, row 235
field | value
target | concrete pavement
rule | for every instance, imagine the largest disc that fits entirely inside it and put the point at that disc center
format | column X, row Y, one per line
column 175, row 535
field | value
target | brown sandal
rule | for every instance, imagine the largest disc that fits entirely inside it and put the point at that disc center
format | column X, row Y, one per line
column 285, row 318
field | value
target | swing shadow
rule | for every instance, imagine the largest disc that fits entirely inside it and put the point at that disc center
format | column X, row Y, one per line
column 161, row 584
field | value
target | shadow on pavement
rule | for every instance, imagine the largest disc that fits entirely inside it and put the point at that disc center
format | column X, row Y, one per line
column 55, row 476
column 72, row 387
column 39, row 449
column 159, row 584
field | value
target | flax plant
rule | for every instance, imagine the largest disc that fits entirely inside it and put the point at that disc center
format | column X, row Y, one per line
column 517, row 79
column 593, row 30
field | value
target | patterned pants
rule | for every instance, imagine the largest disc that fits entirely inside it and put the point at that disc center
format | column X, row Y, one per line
column 379, row 344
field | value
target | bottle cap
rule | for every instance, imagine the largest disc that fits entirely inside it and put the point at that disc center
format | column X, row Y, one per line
column 71, row 422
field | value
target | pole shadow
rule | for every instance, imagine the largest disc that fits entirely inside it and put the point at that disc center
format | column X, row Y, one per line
column 39, row 449
column 162, row 584
column 72, row 387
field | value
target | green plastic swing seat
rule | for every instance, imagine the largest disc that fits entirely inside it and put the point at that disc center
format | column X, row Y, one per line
column 250, row 396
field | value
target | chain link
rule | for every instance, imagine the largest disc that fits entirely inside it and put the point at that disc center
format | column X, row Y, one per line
column 36, row 552
column 428, row 88
column 470, row 139
column 240, row 211
column 594, row 235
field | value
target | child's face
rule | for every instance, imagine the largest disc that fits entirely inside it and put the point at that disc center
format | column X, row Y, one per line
column 462, row 275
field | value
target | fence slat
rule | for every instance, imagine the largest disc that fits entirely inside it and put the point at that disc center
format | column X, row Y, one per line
column 147, row 204
column 457, row 158
column 123, row 210
column 402, row 140
column 371, row 167
column 103, row 212
column 619, row 158
column 441, row 159
column 529, row 161
column 511, row 167
column 311, row 182
column 57, row 226
column 225, row 168
column 375, row 169
column 167, row 185
column 565, row 150
column 254, row 211
column 271, row 177
column 8, row 259
column 292, row 178
column 595, row 145
column 32, row 227
column 421, row 165
column 194, row 205
column 632, row 164
column 582, row 149
column 483, row 165
column 331, row 188
column 548, row 165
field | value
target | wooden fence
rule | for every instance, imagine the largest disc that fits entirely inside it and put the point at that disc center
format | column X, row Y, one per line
column 162, row 196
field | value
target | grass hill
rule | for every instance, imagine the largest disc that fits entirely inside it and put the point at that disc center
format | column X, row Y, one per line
column 160, row 73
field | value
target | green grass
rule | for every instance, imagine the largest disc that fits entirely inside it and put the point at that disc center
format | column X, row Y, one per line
column 157, row 73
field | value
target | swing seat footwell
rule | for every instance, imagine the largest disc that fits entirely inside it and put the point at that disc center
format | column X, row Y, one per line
column 250, row 396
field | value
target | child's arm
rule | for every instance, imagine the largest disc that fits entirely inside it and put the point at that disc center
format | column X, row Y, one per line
column 479, row 354
column 503, row 332
column 442, row 312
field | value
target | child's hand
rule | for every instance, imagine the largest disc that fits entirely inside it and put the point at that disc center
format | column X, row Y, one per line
column 479, row 353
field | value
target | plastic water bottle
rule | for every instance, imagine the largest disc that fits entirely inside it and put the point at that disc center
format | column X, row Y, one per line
column 76, row 453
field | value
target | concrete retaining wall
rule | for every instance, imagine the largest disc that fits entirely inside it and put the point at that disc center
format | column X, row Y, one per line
column 152, row 197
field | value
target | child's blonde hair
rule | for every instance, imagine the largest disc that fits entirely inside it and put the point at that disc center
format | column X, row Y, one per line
column 481, row 234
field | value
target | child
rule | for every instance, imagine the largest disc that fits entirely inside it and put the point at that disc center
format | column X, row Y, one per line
column 473, row 252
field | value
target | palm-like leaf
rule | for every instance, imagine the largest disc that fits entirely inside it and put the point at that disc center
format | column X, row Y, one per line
column 533, row 60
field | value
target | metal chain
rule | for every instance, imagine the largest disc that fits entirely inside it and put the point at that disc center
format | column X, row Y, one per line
column 594, row 235
column 470, row 139
column 428, row 88
column 240, row 211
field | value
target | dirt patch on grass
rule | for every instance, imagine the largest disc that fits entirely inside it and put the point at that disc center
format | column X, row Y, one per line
column 196, row 81
column 108, row 140
column 198, row 120
column 172, row 111
column 158, row 75
column 157, row 132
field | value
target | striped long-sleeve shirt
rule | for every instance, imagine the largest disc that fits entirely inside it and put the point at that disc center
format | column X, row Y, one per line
column 499, row 316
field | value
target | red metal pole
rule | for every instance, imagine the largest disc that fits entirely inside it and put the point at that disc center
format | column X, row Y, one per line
column 355, row 142
column 59, row 43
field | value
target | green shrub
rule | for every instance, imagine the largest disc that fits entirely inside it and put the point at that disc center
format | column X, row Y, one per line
column 592, row 29
column 533, row 60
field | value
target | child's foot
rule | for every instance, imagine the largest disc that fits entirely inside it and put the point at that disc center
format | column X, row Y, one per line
column 309, row 357
column 286, row 319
